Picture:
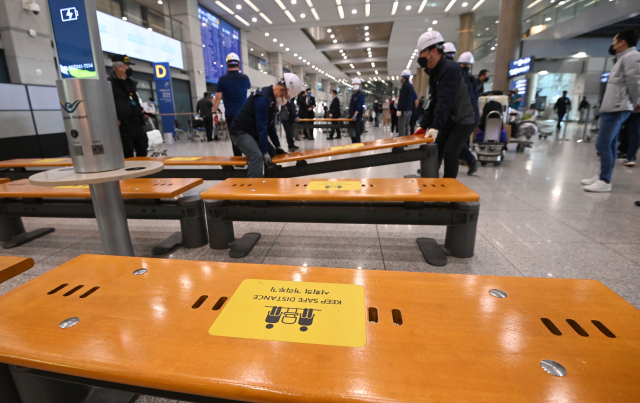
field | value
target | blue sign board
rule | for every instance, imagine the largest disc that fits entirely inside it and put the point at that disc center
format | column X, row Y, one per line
column 521, row 66
column 73, row 42
column 218, row 40
column 162, row 75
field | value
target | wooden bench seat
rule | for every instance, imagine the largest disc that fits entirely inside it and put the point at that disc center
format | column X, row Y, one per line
column 11, row 266
column 36, row 163
column 139, row 188
column 186, row 161
column 417, row 201
column 145, row 198
column 427, row 336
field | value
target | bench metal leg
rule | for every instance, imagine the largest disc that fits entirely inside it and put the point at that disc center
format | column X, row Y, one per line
column 26, row 237
column 221, row 234
column 429, row 161
column 460, row 239
column 8, row 389
column 10, row 227
column 193, row 223
column 37, row 389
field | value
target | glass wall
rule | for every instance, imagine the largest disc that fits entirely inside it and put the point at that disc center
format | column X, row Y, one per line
column 545, row 15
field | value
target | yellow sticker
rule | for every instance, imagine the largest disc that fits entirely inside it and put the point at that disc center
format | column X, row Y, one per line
column 334, row 185
column 184, row 159
column 73, row 187
column 51, row 160
column 294, row 311
column 348, row 146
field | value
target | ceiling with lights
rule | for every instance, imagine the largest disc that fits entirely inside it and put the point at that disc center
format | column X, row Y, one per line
column 342, row 39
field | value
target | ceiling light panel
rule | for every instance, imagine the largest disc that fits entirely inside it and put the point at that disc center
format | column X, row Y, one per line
column 225, row 8
column 250, row 4
column 451, row 3
column 279, row 2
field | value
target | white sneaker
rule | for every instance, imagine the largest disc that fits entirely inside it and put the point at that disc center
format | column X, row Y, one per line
column 599, row 186
column 590, row 181
column 629, row 163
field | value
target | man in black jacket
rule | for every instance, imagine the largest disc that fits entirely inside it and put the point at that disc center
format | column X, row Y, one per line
column 450, row 117
column 128, row 108
column 334, row 113
column 562, row 105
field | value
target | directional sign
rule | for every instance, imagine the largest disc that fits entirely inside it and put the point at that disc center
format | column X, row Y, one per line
column 293, row 311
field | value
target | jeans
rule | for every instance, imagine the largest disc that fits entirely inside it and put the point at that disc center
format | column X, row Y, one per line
column 236, row 150
column 249, row 146
column 450, row 143
column 208, row 126
column 607, row 142
column 403, row 123
column 377, row 119
column 633, row 128
column 287, row 131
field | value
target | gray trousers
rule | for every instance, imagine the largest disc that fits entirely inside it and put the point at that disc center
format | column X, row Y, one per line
column 403, row 123
column 249, row 147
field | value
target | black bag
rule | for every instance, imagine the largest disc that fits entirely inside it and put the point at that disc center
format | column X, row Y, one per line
column 489, row 107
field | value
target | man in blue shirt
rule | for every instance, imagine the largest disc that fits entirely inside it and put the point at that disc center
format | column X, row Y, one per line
column 356, row 109
column 255, row 124
column 232, row 87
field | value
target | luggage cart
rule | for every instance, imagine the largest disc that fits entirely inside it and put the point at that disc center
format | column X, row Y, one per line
column 491, row 149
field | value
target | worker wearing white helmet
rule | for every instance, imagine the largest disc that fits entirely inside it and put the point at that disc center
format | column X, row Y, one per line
column 255, row 125
column 449, row 50
column 466, row 61
column 355, row 109
column 406, row 104
column 232, row 88
column 449, row 118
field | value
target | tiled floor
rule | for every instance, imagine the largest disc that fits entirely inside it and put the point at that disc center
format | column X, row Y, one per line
column 535, row 220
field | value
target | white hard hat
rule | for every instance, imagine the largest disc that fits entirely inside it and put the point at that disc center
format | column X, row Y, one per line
column 406, row 73
column 233, row 58
column 292, row 84
column 428, row 39
column 466, row 57
column 449, row 47
column 356, row 81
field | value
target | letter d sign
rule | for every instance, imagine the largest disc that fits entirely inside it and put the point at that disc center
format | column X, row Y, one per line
column 160, row 71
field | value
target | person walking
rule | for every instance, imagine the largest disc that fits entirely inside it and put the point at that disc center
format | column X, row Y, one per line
column 583, row 110
column 356, row 108
column 205, row 110
column 128, row 108
column 254, row 124
column 405, row 104
column 377, row 110
column 385, row 113
column 621, row 98
column 334, row 113
column 563, row 104
column 232, row 88
column 449, row 117
column 394, row 117
column 483, row 77
column 465, row 61
column 303, row 112
column 287, row 115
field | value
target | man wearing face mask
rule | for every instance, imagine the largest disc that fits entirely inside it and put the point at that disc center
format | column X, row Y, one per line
column 128, row 108
column 450, row 117
column 254, row 124
column 356, row 109
column 449, row 50
column 621, row 98
column 466, row 61
column 405, row 103
column 483, row 77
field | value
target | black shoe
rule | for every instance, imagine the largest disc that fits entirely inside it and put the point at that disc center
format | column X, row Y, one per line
column 638, row 203
column 293, row 148
column 473, row 168
column 339, row 137
column 216, row 139
column 329, row 138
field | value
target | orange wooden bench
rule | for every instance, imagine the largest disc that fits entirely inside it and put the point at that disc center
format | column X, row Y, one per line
column 144, row 198
column 199, row 331
column 418, row 201
column 11, row 266
column 422, row 150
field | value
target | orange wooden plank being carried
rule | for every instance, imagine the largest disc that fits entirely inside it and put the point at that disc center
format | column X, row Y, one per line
column 11, row 266
column 36, row 162
column 353, row 148
column 139, row 188
column 342, row 190
column 428, row 336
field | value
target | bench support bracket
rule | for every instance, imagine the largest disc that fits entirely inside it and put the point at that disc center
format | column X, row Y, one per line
column 432, row 252
column 26, row 237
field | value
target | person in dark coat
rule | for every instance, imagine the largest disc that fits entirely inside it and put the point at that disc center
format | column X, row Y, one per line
column 334, row 113
column 356, row 109
column 394, row 117
column 303, row 112
column 465, row 61
column 287, row 115
column 128, row 108
column 563, row 104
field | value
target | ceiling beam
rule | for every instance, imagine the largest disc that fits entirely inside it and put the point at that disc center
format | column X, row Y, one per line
column 376, row 59
column 353, row 45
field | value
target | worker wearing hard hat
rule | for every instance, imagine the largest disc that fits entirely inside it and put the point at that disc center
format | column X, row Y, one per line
column 450, row 117
column 355, row 109
column 406, row 104
column 232, row 88
column 466, row 61
column 449, row 50
column 254, row 124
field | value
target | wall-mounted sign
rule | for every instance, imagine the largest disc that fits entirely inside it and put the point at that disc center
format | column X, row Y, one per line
column 521, row 66
column 219, row 38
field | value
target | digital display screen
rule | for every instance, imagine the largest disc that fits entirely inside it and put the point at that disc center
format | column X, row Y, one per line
column 218, row 39
column 73, row 42
column 124, row 38
column 520, row 66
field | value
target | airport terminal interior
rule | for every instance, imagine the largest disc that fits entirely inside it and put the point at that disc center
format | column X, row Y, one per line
column 453, row 181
